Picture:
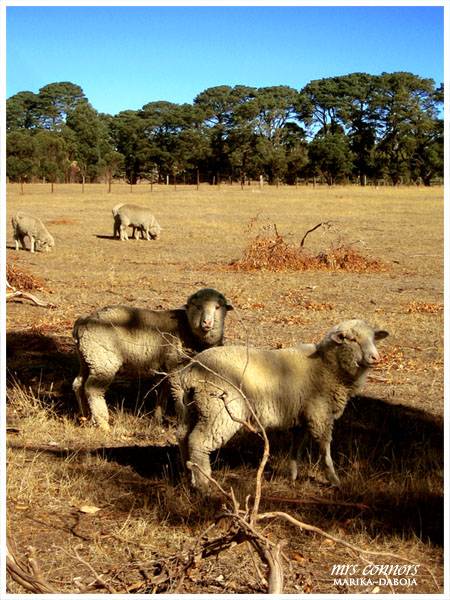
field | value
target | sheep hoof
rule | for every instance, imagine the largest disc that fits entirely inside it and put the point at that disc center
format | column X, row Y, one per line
column 333, row 479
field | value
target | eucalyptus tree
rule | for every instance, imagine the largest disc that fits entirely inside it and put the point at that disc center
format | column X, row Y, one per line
column 321, row 103
column 128, row 130
column 407, row 111
column 358, row 115
column 50, row 155
column 20, row 150
column 217, row 104
column 330, row 155
column 55, row 103
column 175, row 142
column 22, row 111
column 276, row 109
column 88, row 140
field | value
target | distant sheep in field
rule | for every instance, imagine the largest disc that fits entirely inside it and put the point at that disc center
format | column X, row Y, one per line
column 27, row 225
column 310, row 383
column 138, row 217
column 138, row 339
column 116, row 231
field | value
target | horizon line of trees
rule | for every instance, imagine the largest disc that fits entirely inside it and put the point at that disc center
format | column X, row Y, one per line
column 356, row 127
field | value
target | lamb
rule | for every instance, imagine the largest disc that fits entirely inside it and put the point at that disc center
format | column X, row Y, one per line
column 309, row 383
column 139, row 217
column 142, row 340
column 27, row 225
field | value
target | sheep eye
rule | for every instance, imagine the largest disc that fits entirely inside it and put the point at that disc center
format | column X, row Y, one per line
column 217, row 307
column 352, row 339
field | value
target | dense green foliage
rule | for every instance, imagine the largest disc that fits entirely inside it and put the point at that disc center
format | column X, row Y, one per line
column 357, row 127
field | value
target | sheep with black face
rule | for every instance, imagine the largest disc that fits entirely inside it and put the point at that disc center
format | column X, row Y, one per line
column 148, row 341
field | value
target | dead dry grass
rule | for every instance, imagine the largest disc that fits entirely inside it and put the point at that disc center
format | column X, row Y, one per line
column 387, row 446
column 269, row 251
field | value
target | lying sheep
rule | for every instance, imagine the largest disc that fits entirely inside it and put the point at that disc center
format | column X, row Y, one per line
column 142, row 340
column 309, row 382
column 139, row 217
column 27, row 225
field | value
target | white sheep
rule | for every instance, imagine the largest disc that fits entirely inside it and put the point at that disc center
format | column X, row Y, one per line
column 139, row 217
column 116, row 219
column 147, row 341
column 27, row 225
column 309, row 383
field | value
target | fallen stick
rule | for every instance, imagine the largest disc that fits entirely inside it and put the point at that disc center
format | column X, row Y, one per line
column 317, row 501
column 20, row 294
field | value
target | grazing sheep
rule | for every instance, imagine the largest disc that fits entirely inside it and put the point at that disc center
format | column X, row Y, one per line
column 142, row 340
column 27, row 225
column 116, row 230
column 309, row 382
column 139, row 217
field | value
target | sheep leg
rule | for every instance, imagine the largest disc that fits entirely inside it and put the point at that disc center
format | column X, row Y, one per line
column 330, row 473
column 116, row 228
column 198, row 449
column 123, row 232
column 205, row 437
column 164, row 391
column 22, row 241
column 78, row 388
column 95, row 389
column 298, row 439
column 33, row 243
column 321, row 430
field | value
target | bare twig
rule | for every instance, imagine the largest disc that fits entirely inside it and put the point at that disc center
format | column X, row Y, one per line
column 27, row 575
column 323, row 224
column 21, row 294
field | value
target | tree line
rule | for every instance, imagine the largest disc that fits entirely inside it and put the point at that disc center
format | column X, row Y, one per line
column 357, row 127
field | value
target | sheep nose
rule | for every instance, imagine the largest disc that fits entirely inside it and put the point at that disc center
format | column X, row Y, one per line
column 374, row 358
column 207, row 323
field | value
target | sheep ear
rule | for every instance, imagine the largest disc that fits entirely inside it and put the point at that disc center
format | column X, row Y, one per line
column 229, row 307
column 380, row 334
column 338, row 337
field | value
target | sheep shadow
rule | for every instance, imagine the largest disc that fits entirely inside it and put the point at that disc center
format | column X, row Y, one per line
column 43, row 364
column 389, row 456
column 48, row 364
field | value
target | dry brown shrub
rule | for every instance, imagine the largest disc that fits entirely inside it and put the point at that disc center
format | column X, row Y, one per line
column 269, row 251
column 425, row 307
column 21, row 279
column 301, row 301
column 62, row 221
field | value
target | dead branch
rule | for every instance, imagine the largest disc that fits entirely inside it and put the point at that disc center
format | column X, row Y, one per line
column 27, row 574
column 317, row 501
column 21, row 294
column 323, row 224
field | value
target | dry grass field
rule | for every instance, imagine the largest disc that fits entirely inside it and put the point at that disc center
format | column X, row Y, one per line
column 146, row 535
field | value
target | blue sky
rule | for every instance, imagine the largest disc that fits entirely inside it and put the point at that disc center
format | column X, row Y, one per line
column 123, row 57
